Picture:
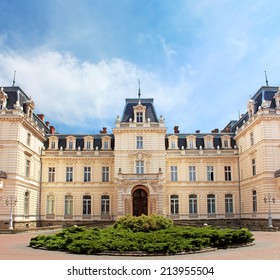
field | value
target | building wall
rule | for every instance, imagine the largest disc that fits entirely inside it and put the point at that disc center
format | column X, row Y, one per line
column 20, row 140
column 264, row 126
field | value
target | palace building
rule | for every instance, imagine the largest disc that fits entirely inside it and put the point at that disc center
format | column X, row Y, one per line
column 229, row 177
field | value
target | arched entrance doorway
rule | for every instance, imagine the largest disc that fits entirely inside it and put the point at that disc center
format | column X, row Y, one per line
column 140, row 202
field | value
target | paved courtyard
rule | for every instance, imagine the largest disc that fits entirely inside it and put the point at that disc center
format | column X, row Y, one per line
column 15, row 247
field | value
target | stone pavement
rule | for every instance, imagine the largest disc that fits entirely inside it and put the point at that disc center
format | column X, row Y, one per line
column 15, row 247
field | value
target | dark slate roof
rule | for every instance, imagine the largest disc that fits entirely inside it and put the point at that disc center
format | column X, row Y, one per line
column 80, row 140
column 182, row 141
column 17, row 94
column 147, row 102
column 264, row 93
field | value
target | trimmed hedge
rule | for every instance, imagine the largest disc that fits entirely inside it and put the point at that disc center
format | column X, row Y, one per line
column 141, row 234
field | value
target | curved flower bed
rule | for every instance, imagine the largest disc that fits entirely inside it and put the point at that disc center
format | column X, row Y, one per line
column 149, row 234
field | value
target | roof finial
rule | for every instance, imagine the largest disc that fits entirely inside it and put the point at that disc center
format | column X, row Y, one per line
column 14, row 78
column 139, row 89
column 266, row 81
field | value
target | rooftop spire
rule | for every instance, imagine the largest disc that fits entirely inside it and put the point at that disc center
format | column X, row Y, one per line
column 14, row 78
column 266, row 81
column 139, row 89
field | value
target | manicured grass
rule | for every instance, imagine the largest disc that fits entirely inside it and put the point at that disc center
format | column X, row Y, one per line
column 151, row 234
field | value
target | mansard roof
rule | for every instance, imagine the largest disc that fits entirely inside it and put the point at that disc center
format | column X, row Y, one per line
column 131, row 102
column 15, row 94
column 217, row 140
column 263, row 97
column 80, row 140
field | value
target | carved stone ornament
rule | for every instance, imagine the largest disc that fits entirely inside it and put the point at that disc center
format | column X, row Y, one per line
column 3, row 175
column 277, row 173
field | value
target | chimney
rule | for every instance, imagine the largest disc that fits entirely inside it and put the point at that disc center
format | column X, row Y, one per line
column 216, row 130
column 47, row 123
column 104, row 130
column 52, row 129
column 176, row 129
column 41, row 117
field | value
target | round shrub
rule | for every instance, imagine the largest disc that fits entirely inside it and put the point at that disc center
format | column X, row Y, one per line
column 143, row 223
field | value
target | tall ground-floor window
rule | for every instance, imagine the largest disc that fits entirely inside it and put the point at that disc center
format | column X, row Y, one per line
column 86, row 205
column 229, row 203
column 192, row 204
column 211, row 204
column 26, row 203
column 174, row 204
column 50, row 205
column 105, row 205
column 68, row 205
column 254, row 201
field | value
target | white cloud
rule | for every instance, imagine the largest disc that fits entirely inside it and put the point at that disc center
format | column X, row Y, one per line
column 87, row 96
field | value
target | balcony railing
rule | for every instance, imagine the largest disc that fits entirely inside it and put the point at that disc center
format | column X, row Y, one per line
column 144, row 176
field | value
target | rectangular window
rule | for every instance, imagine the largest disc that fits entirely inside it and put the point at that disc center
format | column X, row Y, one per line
column 227, row 173
column 192, row 173
column 173, row 144
column 52, row 145
column 27, row 168
column 191, row 145
column 228, row 203
column 174, row 173
column 88, row 145
column 106, row 145
column 254, row 201
column 226, row 145
column 174, row 204
column 252, row 138
column 193, row 204
column 86, row 205
column 87, row 173
column 105, row 205
column 50, row 205
column 26, row 203
column 139, row 142
column 69, row 174
column 68, row 205
column 253, row 167
column 28, row 141
column 209, row 144
column 105, row 173
column 139, row 167
column 139, row 117
column 51, row 174
column 71, row 145
column 210, row 173
column 211, row 204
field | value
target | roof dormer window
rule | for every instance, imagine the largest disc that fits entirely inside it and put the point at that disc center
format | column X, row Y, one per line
column 71, row 143
column 106, row 143
column 139, row 113
column 173, row 142
column 208, row 141
column 226, row 142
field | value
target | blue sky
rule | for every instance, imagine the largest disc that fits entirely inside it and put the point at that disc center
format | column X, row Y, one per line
column 200, row 60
